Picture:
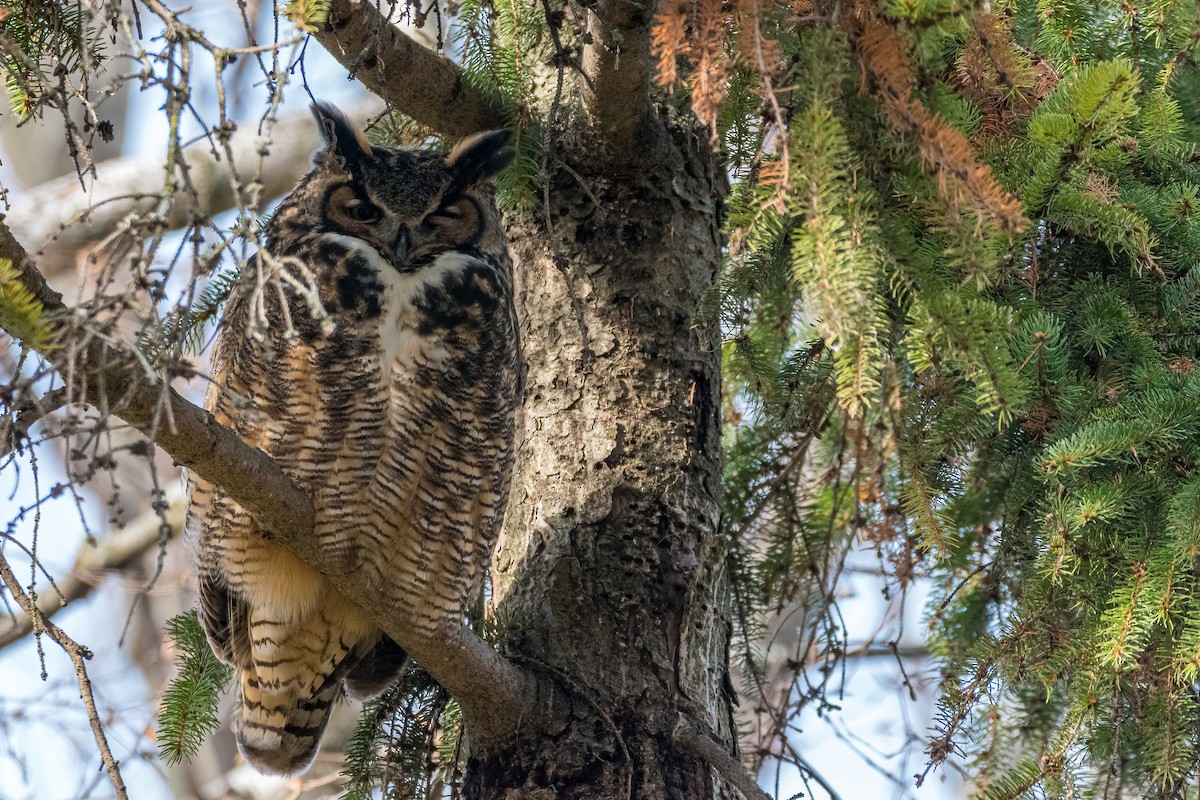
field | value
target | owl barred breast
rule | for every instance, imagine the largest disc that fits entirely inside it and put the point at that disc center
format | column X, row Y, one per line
column 372, row 351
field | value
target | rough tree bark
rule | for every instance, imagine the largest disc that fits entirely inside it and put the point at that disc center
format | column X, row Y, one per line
column 612, row 566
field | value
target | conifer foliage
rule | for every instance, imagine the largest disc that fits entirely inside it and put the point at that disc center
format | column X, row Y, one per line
column 189, row 710
column 961, row 313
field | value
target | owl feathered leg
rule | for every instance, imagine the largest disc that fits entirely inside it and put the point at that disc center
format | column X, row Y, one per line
column 293, row 677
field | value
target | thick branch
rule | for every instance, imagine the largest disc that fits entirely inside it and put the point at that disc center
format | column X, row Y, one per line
column 492, row 692
column 618, row 65
column 415, row 80
column 113, row 553
column 12, row 250
column 690, row 737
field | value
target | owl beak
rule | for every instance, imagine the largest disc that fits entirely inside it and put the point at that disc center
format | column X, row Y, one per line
column 401, row 246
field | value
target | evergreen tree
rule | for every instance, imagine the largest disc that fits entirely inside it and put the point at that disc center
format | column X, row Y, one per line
column 973, row 233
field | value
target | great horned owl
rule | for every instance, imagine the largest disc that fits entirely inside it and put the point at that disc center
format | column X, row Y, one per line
column 371, row 349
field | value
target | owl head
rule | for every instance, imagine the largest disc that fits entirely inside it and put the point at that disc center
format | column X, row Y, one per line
column 410, row 205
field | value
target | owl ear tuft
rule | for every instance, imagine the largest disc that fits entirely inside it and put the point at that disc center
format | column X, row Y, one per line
column 340, row 134
column 479, row 156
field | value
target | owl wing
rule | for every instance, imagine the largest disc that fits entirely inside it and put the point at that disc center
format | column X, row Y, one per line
column 315, row 403
column 224, row 618
column 213, row 519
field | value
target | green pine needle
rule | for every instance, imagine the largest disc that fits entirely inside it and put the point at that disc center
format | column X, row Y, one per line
column 188, row 713
column 307, row 15
column 394, row 749
column 21, row 314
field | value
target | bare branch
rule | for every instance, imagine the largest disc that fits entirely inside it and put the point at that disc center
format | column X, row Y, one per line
column 492, row 692
column 412, row 78
column 58, row 210
column 78, row 655
column 195, row 439
column 93, row 560
column 618, row 65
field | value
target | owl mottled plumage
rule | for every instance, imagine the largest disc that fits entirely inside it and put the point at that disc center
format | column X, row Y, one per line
column 391, row 401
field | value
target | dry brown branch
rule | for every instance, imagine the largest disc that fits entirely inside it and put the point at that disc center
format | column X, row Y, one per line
column 491, row 691
column 963, row 180
column 94, row 560
column 78, row 655
column 413, row 79
column 669, row 41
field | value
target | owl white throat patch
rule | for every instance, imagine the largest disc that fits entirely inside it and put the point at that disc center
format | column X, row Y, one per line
column 399, row 340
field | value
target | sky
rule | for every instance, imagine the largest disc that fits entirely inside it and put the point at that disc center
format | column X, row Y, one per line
column 46, row 747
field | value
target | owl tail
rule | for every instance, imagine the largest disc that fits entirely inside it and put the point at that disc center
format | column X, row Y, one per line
column 289, row 687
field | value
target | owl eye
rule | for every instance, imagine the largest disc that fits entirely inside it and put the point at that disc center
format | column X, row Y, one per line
column 447, row 212
column 362, row 211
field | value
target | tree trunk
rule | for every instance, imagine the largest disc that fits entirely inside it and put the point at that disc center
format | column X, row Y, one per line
column 611, row 571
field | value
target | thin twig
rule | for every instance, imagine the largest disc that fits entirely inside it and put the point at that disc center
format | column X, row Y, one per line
column 78, row 655
column 93, row 560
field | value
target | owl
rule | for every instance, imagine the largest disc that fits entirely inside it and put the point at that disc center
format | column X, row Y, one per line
column 371, row 349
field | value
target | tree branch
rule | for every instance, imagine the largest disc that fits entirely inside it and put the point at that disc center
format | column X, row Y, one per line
column 492, row 692
column 78, row 655
column 112, row 553
column 412, row 78
column 194, row 438
column 618, row 65
column 688, row 736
